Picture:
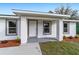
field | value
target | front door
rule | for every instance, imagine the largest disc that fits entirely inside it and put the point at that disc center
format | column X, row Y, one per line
column 32, row 28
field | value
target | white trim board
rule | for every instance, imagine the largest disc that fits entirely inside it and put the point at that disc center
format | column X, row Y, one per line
column 71, row 20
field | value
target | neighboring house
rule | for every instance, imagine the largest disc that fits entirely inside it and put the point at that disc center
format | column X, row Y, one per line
column 30, row 24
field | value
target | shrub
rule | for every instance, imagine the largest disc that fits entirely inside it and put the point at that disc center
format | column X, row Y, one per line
column 70, row 37
column 76, row 36
column 3, row 42
column 64, row 37
column 18, row 39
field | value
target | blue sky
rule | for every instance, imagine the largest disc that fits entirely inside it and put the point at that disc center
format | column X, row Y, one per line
column 5, row 8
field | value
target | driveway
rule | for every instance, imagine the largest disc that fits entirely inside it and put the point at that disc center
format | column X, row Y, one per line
column 26, row 49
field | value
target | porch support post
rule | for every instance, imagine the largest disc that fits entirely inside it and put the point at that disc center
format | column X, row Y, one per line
column 24, row 25
column 60, row 30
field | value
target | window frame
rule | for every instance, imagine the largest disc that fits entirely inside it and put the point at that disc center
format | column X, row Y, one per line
column 50, row 29
column 67, row 27
column 7, row 27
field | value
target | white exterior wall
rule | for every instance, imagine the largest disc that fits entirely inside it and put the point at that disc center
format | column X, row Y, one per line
column 24, row 26
column 3, row 35
column 40, row 30
column 72, row 29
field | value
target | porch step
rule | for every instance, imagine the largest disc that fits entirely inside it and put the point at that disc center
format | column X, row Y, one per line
column 41, row 39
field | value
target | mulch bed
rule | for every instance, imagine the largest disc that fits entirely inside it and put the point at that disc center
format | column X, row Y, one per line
column 9, row 43
column 67, row 39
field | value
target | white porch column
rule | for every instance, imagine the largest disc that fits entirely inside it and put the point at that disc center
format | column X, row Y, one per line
column 60, row 30
column 24, row 35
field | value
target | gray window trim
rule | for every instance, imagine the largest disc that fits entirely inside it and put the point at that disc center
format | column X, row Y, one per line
column 67, row 28
column 50, row 28
column 8, row 34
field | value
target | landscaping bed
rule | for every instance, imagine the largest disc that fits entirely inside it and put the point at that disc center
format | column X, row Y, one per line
column 9, row 43
column 60, row 48
column 71, row 39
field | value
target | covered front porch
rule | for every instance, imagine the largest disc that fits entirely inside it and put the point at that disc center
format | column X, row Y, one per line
column 41, row 29
column 44, row 29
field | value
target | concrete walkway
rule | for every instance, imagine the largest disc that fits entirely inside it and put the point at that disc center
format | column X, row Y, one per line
column 26, row 49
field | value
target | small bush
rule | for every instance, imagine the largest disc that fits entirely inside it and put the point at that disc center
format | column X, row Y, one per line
column 64, row 37
column 3, row 42
column 18, row 39
column 76, row 36
column 70, row 37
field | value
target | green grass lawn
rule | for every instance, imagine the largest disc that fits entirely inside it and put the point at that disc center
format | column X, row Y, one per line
column 59, row 48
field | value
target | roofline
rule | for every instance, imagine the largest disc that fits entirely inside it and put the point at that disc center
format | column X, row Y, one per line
column 8, row 16
column 21, row 12
column 28, row 10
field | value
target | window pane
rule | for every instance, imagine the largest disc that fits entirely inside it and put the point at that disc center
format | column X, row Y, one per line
column 12, row 30
column 65, row 27
column 46, row 24
column 46, row 27
column 12, row 24
column 11, row 27
column 46, row 30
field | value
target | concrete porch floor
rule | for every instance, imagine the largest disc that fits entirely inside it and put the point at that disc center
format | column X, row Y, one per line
column 34, row 39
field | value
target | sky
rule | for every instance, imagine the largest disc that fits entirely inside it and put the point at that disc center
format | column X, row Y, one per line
column 6, row 8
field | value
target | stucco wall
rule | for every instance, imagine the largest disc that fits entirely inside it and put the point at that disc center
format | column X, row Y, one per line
column 40, row 29
column 72, row 29
column 3, row 35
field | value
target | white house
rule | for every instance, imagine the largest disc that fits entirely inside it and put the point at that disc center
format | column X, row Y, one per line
column 30, row 25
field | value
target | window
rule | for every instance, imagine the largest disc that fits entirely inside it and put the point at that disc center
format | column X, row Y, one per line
column 66, row 27
column 11, row 27
column 46, row 27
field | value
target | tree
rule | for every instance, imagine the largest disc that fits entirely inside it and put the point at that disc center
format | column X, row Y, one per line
column 50, row 11
column 67, row 11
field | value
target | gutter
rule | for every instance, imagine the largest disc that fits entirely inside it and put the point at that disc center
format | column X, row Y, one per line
column 9, row 16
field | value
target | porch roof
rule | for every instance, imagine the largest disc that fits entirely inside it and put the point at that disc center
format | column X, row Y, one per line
column 36, row 13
